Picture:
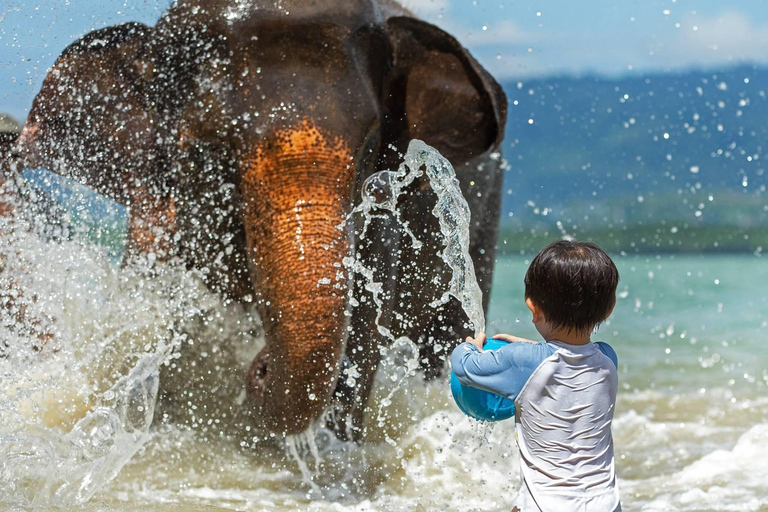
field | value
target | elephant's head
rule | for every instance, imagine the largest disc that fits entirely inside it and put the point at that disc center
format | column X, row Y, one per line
column 302, row 100
column 339, row 95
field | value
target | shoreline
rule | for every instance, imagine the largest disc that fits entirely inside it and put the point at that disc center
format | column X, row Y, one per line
column 654, row 239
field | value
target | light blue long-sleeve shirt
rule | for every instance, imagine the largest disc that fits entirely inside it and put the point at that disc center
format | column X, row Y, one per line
column 505, row 371
column 564, row 401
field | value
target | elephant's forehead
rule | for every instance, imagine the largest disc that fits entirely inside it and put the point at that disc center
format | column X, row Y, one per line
column 351, row 13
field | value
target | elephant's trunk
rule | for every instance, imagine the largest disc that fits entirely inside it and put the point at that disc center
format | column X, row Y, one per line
column 297, row 188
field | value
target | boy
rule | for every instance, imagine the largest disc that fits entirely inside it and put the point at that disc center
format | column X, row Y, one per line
column 564, row 389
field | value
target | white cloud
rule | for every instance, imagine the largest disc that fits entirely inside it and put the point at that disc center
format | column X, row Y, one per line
column 423, row 7
column 509, row 51
column 729, row 37
column 502, row 33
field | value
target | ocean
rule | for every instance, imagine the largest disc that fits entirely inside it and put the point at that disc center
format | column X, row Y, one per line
column 691, row 425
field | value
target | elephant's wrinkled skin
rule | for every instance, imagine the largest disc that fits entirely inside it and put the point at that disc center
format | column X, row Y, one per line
column 239, row 135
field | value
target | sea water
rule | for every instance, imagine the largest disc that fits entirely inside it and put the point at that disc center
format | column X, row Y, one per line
column 691, row 426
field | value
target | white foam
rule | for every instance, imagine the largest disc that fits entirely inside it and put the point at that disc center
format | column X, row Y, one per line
column 723, row 479
column 71, row 419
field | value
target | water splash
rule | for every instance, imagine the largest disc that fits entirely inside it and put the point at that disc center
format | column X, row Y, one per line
column 44, row 469
column 300, row 447
column 78, row 393
column 381, row 192
column 70, row 421
column 45, row 463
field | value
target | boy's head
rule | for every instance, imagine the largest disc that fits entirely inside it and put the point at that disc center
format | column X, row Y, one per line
column 574, row 285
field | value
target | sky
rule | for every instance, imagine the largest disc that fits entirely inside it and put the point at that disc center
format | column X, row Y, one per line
column 515, row 40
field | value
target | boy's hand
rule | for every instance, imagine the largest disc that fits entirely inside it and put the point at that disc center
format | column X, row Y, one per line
column 512, row 339
column 477, row 341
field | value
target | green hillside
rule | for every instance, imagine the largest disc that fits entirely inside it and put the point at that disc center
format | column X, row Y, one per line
column 8, row 124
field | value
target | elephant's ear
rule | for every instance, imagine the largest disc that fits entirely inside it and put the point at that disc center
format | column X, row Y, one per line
column 437, row 92
column 92, row 119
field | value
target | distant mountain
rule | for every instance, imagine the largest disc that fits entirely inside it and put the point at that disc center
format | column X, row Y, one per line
column 594, row 153
column 8, row 124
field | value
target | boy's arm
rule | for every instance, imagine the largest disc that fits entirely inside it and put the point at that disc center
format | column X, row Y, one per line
column 504, row 371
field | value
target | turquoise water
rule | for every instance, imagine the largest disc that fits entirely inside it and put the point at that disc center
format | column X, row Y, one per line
column 681, row 323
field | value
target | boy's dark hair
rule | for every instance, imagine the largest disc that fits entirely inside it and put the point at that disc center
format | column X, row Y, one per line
column 574, row 284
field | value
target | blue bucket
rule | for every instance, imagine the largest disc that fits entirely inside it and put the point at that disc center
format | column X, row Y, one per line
column 479, row 404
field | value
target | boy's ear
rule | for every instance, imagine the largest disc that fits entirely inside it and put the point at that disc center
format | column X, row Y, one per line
column 536, row 312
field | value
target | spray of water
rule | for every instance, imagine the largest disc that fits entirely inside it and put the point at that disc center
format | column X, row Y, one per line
column 380, row 195
column 381, row 192
column 77, row 394
column 71, row 420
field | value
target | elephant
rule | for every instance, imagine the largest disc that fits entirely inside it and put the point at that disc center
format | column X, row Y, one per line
column 239, row 134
